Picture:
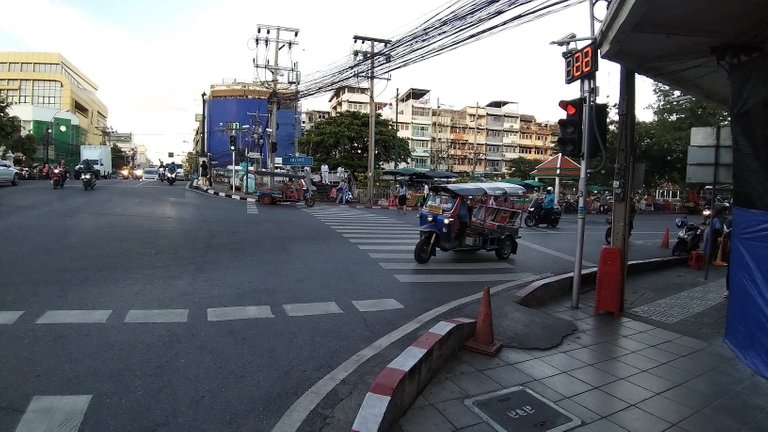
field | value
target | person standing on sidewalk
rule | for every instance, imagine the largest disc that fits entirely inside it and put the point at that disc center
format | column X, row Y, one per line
column 204, row 173
column 324, row 173
column 402, row 198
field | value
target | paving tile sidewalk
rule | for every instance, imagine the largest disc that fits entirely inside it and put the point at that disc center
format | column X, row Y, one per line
column 631, row 373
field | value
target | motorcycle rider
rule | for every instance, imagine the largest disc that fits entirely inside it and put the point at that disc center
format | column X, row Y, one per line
column 64, row 172
column 548, row 207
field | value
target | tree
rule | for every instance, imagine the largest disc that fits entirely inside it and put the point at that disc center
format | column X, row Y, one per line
column 343, row 140
column 10, row 126
column 662, row 144
column 118, row 156
column 522, row 167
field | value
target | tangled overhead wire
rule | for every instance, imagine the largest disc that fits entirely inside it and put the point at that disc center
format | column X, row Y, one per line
column 456, row 24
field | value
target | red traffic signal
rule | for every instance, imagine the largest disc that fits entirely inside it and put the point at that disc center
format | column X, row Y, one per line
column 571, row 128
column 570, row 106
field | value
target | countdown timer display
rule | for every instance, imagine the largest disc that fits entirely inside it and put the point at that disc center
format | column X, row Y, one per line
column 581, row 63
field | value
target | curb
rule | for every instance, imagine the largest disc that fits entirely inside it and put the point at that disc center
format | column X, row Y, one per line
column 544, row 290
column 396, row 387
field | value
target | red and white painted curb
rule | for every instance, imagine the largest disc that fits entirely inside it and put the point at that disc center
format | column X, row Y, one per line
column 398, row 384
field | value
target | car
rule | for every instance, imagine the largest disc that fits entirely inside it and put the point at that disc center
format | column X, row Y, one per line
column 9, row 174
column 149, row 174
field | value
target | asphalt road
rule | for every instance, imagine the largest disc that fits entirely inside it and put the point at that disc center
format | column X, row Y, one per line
column 140, row 306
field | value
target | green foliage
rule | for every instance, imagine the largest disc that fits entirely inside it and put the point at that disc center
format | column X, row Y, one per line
column 343, row 140
column 522, row 167
column 118, row 157
column 10, row 126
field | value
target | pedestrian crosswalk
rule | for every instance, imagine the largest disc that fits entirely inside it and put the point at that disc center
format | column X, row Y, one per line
column 170, row 316
column 54, row 413
column 251, row 207
column 391, row 241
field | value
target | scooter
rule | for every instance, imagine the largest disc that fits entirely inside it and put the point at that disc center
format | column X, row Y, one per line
column 89, row 180
column 536, row 216
column 609, row 221
column 57, row 178
column 170, row 177
column 689, row 238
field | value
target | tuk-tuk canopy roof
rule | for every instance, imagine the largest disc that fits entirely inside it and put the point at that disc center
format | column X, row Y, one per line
column 477, row 189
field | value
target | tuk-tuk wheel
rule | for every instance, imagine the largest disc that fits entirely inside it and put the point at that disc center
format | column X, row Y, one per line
column 505, row 248
column 266, row 199
column 310, row 202
column 423, row 251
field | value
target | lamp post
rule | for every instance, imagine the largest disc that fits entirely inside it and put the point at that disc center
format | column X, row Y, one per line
column 49, row 133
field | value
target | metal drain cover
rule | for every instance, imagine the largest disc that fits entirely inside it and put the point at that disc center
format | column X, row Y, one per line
column 519, row 409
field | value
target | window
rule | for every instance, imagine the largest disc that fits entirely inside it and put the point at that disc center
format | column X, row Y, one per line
column 47, row 93
column 420, row 131
column 10, row 96
column 356, row 106
column 25, row 92
column 47, row 67
column 3, row 67
column 13, row 67
column 420, row 112
column 26, row 67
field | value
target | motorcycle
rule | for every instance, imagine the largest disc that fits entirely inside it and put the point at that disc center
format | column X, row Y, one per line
column 536, row 216
column 57, row 178
column 170, row 177
column 609, row 221
column 689, row 238
column 89, row 180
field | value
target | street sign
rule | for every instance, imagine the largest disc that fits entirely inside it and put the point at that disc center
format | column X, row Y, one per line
column 170, row 154
column 298, row 160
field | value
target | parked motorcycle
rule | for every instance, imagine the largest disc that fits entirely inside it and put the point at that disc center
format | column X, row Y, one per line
column 689, row 238
column 89, row 180
column 536, row 216
column 608, row 231
column 57, row 178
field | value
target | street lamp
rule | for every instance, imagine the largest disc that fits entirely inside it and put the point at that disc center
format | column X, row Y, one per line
column 49, row 133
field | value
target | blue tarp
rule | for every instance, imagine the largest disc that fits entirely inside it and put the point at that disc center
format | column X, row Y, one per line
column 746, row 330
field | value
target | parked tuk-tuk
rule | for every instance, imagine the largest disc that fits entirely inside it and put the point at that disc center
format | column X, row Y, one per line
column 469, row 217
column 291, row 188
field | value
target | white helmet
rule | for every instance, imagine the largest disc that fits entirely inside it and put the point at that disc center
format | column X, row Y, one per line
column 549, row 189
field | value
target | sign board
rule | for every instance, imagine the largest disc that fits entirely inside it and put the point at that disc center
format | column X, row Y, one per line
column 296, row 160
column 581, row 63
column 705, row 152
column 170, row 154
column 198, row 118
column 519, row 409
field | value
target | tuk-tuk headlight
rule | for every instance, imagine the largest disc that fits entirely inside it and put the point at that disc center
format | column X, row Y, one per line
column 430, row 218
column 447, row 220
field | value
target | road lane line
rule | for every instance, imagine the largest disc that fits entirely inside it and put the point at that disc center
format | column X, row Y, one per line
column 304, row 309
column 54, row 414
column 445, row 265
column 377, row 305
column 364, row 235
column 157, row 315
column 553, row 253
column 390, row 256
column 299, row 410
column 385, row 247
column 380, row 240
column 74, row 317
column 239, row 313
column 9, row 317
column 444, row 278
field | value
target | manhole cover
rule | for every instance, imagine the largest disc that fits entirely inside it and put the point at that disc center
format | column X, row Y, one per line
column 519, row 409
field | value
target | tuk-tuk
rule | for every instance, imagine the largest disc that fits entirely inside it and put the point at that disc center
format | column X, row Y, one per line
column 469, row 217
column 291, row 188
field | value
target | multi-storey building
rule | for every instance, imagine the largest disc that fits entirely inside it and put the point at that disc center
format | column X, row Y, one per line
column 310, row 117
column 349, row 98
column 413, row 117
column 55, row 101
column 468, row 138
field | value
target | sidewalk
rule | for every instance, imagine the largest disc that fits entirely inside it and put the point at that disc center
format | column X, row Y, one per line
column 662, row 366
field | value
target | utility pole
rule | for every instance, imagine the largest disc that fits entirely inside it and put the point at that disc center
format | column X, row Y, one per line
column 274, row 69
column 371, row 56
column 474, row 143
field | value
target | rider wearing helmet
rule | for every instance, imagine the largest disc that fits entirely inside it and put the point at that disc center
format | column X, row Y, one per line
column 549, row 203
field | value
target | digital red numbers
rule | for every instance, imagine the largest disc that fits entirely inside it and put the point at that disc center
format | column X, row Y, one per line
column 580, row 64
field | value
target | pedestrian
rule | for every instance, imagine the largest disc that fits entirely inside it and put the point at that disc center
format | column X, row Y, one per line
column 204, row 173
column 324, row 173
column 603, row 203
column 341, row 192
column 402, row 197
column 426, row 190
column 340, row 173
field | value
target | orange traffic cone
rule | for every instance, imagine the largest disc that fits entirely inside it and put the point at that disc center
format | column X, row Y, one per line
column 665, row 240
column 483, row 342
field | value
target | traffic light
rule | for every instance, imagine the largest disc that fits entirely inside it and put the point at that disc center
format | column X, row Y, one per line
column 233, row 142
column 599, row 130
column 571, row 128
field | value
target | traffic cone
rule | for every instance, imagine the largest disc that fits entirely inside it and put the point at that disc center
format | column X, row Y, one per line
column 483, row 342
column 718, row 262
column 665, row 240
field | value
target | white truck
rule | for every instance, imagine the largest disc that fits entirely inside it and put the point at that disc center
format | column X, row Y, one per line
column 100, row 157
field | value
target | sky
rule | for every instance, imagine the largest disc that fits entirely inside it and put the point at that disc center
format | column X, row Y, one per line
column 152, row 59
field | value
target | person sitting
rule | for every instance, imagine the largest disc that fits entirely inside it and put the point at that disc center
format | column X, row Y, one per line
column 548, row 206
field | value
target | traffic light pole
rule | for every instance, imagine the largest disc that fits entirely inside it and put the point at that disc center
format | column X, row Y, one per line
column 587, row 86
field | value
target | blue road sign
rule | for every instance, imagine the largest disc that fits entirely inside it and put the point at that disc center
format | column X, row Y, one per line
column 292, row 160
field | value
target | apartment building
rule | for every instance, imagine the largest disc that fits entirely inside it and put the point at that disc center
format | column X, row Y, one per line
column 349, row 98
column 413, row 116
column 55, row 101
column 310, row 117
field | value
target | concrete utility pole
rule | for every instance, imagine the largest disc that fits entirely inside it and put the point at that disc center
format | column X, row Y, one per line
column 274, row 97
column 371, row 55
column 474, row 144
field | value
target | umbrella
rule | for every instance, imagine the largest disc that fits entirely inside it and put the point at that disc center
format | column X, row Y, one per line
column 534, row 183
column 405, row 171
column 434, row 175
column 514, row 181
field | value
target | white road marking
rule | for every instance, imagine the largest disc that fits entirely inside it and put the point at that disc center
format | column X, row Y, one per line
column 157, row 315
column 390, row 256
column 251, row 208
column 376, row 305
column 298, row 412
column 372, row 236
column 239, row 313
column 375, row 231
column 9, row 317
column 684, row 304
column 386, row 247
column 54, row 414
column 74, row 316
column 445, row 265
column 304, row 309
column 387, row 240
column 553, row 253
column 442, row 278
